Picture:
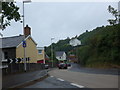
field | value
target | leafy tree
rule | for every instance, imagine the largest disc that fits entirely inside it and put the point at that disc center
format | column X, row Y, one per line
column 86, row 30
column 115, row 13
column 9, row 12
column 102, row 49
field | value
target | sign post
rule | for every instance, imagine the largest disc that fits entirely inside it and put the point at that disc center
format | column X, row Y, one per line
column 24, row 46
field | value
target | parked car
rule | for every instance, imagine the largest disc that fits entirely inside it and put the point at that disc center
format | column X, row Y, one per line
column 62, row 66
column 46, row 66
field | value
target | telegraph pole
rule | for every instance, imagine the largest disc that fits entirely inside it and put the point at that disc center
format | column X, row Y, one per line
column 119, row 12
column 52, row 51
column 24, row 42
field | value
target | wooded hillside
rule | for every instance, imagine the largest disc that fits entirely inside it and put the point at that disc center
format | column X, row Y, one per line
column 100, row 47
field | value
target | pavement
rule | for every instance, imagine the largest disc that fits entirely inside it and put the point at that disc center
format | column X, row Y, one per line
column 23, row 79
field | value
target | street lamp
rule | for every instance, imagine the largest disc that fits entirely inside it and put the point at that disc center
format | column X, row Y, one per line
column 24, row 43
column 119, row 12
column 52, row 51
column 25, row 1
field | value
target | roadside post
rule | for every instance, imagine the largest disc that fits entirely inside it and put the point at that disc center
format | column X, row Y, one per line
column 52, row 52
column 24, row 46
column 24, row 42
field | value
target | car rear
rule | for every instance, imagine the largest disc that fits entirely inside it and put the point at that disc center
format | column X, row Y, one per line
column 62, row 66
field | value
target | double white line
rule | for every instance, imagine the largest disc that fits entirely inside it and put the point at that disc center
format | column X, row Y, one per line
column 60, row 79
column 79, row 86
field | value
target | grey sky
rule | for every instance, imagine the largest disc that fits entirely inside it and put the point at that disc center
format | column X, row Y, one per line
column 61, row 20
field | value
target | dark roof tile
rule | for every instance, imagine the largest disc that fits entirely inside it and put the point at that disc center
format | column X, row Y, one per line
column 14, row 41
column 60, row 53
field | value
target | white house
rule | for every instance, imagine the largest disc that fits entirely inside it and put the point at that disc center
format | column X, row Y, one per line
column 75, row 42
column 61, row 55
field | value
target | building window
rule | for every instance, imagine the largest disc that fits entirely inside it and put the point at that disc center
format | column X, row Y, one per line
column 40, row 51
column 6, row 55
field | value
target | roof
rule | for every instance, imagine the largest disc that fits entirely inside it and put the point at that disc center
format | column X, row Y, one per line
column 46, row 57
column 14, row 41
column 60, row 53
column 26, row 39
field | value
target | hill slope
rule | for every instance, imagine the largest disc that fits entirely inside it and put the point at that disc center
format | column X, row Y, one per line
column 100, row 47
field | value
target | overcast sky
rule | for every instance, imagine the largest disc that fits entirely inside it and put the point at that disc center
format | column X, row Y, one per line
column 60, row 19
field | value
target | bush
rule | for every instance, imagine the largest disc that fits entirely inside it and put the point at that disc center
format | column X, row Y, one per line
column 103, row 47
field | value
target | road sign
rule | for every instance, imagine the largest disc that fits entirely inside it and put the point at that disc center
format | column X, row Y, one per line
column 24, row 44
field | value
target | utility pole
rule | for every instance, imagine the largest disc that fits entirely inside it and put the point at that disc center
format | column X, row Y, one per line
column 119, row 12
column 24, row 42
column 52, row 51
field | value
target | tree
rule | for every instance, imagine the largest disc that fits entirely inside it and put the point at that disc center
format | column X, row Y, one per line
column 86, row 30
column 115, row 13
column 9, row 12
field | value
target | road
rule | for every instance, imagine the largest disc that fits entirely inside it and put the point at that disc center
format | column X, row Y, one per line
column 53, row 82
column 77, row 77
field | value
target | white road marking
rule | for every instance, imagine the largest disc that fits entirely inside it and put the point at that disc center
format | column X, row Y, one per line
column 80, row 86
column 51, row 76
column 60, row 79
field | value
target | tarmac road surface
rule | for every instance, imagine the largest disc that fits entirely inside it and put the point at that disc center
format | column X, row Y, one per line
column 53, row 82
column 78, row 77
column 90, row 78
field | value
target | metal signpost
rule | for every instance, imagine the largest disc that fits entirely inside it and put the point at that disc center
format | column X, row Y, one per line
column 24, row 42
column 24, row 46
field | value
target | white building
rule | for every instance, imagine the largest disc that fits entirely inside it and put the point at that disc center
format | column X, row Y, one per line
column 75, row 42
column 61, row 55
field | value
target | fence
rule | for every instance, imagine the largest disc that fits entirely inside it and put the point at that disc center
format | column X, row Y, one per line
column 19, row 67
column 16, row 65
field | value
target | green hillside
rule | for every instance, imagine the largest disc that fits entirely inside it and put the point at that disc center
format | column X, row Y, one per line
column 61, row 45
column 100, row 47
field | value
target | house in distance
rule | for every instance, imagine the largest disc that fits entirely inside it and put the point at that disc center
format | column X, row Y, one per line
column 61, row 56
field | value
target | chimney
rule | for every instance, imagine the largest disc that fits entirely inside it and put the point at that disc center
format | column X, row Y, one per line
column 27, row 31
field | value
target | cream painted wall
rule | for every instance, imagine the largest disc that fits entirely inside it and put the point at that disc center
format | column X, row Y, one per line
column 31, row 51
column 41, row 56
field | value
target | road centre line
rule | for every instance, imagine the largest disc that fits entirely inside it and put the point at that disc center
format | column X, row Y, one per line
column 80, row 86
column 60, row 79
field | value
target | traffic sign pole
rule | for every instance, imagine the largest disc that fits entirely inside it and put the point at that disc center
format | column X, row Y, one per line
column 24, row 46
column 25, row 59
